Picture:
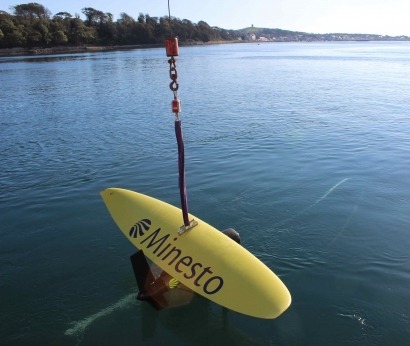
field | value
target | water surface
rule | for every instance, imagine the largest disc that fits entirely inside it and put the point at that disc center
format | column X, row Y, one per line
column 303, row 148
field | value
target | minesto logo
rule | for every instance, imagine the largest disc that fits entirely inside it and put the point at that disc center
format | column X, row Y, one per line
column 140, row 228
column 160, row 244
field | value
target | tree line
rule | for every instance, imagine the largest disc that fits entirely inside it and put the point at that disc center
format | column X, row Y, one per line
column 32, row 25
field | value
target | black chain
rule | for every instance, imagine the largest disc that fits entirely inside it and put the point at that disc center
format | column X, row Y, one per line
column 173, row 74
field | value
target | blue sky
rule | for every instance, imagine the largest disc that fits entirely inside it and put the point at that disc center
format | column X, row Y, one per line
column 384, row 17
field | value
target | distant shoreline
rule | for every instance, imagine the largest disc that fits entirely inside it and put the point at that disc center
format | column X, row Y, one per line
column 68, row 50
column 13, row 52
column 9, row 52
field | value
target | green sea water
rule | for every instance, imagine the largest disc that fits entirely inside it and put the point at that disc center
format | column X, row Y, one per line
column 304, row 148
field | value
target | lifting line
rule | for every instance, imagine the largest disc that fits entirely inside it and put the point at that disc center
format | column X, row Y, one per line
column 172, row 50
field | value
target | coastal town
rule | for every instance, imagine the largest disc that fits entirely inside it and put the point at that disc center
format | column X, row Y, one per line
column 254, row 34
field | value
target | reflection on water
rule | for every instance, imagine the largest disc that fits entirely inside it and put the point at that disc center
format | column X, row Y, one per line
column 46, row 58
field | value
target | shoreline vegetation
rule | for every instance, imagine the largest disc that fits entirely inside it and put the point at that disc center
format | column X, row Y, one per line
column 32, row 30
column 9, row 52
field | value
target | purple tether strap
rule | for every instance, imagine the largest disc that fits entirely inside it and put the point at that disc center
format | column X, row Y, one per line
column 181, row 167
